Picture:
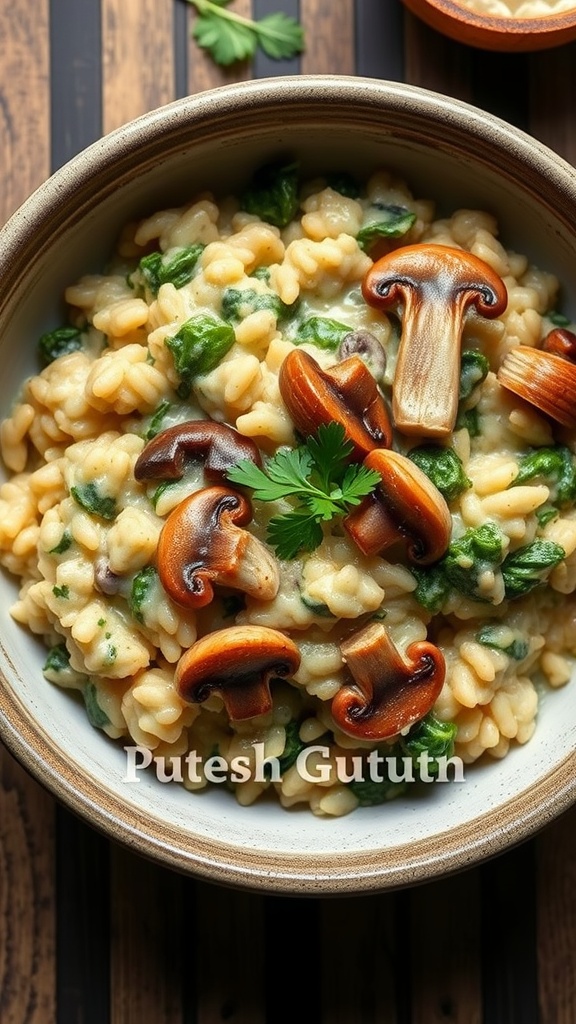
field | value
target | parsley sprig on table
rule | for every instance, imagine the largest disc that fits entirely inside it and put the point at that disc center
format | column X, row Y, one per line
column 318, row 475
column 229, row 37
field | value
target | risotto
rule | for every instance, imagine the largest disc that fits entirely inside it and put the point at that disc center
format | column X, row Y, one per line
column 294, row 489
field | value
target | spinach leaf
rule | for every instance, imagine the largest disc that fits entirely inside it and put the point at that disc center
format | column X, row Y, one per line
column 174, row 267
column 392, row 222
column 96, row 716
column 443, row 467
column 490, row 635
column 322, row 332
column 142, row 585
column 238, row 303
column 273, row 194
column 59, row 342
column 198, row 347
column 554, row 464
column 474, row 369
column 527, row 567
column 89, row 498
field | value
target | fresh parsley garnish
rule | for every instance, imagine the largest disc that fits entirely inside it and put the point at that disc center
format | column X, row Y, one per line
column 228, row 37
column 318, row 475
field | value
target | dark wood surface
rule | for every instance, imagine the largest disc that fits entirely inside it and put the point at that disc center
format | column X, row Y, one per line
column 91, row 933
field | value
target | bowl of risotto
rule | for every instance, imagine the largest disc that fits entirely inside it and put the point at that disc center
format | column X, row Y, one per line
column 505, row 25
column 288, row 506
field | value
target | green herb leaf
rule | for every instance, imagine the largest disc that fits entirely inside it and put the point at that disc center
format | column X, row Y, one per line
column 96, row 716
column 198, row 347
column 63, row 544
column 142, row 586
column 63, row 592
column 501, row 639
column 238, row 303
column 317, row 474
column 430, row 736
column 58, row 659
column 89, row 498
column 229, row 37
column 155, row 423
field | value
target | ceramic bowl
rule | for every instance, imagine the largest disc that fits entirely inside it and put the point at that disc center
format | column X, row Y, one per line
column 491, row 32
column 445, row 149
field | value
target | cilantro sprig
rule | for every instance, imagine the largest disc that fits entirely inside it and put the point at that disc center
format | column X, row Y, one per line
column 229, row 37
column 319, row 476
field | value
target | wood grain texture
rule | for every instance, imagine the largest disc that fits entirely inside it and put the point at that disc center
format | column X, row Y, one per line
column 434, row 62
column 227, row 952
column 148, row 945
column 556, row 920
column 24, row 101
column 27, row 919
column 552, row 100
column 362, row 960
column 445, row 926
column 138, row 59
column 329, row 33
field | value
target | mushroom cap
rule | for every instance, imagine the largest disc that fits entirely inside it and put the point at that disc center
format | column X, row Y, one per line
column 429, row 269
column 546, row 380
column 217, row 445
column 561, row 342
column 345, row 394
column 238, row 662
column 434, row 285
column 388, row 693
column 406, row 505
column 202, row 543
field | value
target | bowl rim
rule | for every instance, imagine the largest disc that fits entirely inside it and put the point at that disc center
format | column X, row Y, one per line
column 283, row 873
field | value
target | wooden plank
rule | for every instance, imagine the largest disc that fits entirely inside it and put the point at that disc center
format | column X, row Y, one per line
column 27, row 974
column 203, row 73
column 500, row 84
column 556, row 918
column 445, row 928
column 434, row 62
column 24, row 101
column 379, row 39
column 138, row 59
column 509, row 964
column 82, row 957
column 75, row 77
column 329, row 37
column 552, row 91
column 227, row 949
column 363, row 967
column 149, row 946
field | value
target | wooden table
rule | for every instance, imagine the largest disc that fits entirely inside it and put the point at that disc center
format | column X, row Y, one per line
column 91, row 933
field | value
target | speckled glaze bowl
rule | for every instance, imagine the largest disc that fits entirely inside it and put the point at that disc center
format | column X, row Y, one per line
column 487, row 32
column 445, row 149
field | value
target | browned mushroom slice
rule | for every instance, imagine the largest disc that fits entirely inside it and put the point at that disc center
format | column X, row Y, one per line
column 387, row 692
column 345, row 394
column 434, row 285
column 406, row 506
column 202, row 543
column 217, row 445
column 561, row 342
column 544, row 379
column 239, row 664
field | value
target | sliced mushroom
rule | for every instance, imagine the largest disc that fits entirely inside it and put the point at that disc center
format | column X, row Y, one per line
column 217, row 445
column 406, row 506
column 202, row 543
column 387, row 693
column 544, row 379
column 238, row 663
column 106, row 581
column 434, row 285
column 561, row 342
column 364, row 344
column 346, row 394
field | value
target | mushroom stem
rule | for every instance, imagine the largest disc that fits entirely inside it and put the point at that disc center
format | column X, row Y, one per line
column 387, row 693
column 434, row 285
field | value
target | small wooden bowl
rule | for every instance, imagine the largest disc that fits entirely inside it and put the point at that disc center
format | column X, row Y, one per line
column 509, row 34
